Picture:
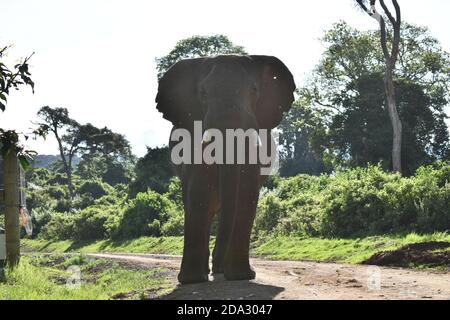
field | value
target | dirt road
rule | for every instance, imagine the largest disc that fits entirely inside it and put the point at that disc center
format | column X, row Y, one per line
column 305, row 280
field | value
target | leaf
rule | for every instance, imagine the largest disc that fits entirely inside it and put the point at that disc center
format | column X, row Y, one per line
column 24, row 162
column 2, row 106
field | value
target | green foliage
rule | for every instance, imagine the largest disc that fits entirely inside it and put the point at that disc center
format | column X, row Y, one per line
column 341, row 117
column 94, row 188
column 337, row 250
column 297, row 131
column 197, row 46
column 357, row 202
column 174, row 225
column 39, row 277
column 153, row 171
column 89, row 224
column 59, row 227
column 145, row 214
column 104, row 153
column 174, row 192
column 13, row 78
column 40, row 217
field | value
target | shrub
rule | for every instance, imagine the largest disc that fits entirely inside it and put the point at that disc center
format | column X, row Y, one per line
column 58, row 192
column 270, row 211
column 140, row 214
column 94, row 188
column 89, row 224
column 353, row 204
column 358, row 202
column 57, row 179
column 63, row 205
column 174, row 192
column 40, row 218
column 174, row 225
column 60, row 227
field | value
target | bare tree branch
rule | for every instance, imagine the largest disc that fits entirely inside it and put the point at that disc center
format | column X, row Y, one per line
column 397, row 12
column 387, row 12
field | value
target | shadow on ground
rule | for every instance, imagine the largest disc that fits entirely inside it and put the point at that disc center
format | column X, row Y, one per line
column 219, row 289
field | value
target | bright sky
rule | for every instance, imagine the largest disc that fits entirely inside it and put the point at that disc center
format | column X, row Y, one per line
column 97, row 57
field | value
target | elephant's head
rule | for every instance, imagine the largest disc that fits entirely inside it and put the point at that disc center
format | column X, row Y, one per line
column 226, row 92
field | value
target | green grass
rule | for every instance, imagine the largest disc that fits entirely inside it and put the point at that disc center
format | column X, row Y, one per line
column 276, row 248
column 338, row 250
column 45, row 277
column 163, row 245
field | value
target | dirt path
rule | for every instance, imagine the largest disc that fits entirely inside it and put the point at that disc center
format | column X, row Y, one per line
column 306, row 280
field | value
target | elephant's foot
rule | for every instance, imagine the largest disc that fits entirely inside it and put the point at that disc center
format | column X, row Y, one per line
column 244, row 272
column 191, row 277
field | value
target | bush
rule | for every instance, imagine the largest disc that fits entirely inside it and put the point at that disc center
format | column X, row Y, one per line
column 352, row 203
column 57, row 179
column 60, row 227
column 58, row 192
column 140, row 214
column 89, row 224
column 174, row 225
column 63, row 205
column 270, row 211
column 40, row 218
column 358, row 202
column 95, row 189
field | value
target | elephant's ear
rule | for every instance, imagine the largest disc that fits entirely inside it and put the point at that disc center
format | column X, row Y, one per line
column 276, row 90
column 177, row 97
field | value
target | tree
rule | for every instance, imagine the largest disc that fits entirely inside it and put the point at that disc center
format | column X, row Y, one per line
column 57, row 121
column 347, row 93
column 197, row 46
column 14, row 78
column 153, row 171
column 86, row 141
column 390, row 61
column 11, row 152
column 296, row 134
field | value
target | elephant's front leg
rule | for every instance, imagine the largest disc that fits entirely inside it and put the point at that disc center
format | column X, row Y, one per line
column 237, row 264
column 196, row 229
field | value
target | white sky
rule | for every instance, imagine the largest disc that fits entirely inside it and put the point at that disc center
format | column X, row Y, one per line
column 97, row 57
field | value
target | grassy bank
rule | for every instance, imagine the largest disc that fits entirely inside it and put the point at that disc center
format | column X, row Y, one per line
column 278, row 248
column 46, row 276
column 163, row 245
column 338, row 250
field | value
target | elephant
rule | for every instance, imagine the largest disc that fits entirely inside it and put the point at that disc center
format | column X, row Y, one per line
column 223, row 92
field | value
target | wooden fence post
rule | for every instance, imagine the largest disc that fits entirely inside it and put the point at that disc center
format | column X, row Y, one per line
column 12, row 226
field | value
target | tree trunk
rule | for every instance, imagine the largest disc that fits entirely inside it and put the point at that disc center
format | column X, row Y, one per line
column 391, row 59
column 395, row 121
column 66, row 164
column 12, row 226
